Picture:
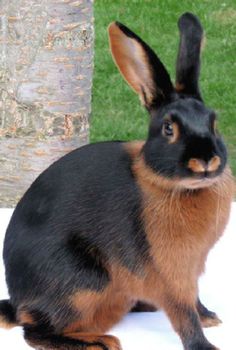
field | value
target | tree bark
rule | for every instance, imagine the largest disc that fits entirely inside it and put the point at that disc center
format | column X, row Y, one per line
column 46, row 55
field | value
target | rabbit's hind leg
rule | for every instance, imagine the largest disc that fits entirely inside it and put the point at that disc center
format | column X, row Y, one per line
column 73, row 341
column 98, row 312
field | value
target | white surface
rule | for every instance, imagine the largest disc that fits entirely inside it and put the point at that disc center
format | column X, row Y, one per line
column 153, row 331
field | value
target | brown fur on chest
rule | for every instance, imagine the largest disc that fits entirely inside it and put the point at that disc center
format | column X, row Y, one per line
column 181, row 225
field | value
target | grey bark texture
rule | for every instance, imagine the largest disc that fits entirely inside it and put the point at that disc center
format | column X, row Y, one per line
column 46, row 61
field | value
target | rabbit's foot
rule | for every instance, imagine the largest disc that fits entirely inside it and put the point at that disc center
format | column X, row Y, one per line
column 210, row 321
column 208, row 318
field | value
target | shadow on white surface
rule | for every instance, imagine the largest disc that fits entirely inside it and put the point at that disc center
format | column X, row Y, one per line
column 153, row 331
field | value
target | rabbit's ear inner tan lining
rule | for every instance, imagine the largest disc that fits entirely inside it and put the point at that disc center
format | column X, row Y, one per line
column 132, row 61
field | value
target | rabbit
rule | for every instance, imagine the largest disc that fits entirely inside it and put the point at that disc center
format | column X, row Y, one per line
column 116, row 226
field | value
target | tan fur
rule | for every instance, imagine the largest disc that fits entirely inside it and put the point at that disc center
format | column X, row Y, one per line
column 176, row 133
column 208, row 322
column 132, row 62
column 214, row 163
column 179, row 87
column 215, row 126
column 196, row 165
column 134, row 148
column 203, row 43
column 25, row 318
column 5, row 324
column 108, row 340
column 98, row 311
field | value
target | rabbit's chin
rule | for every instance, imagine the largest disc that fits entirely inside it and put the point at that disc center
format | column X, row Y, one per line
column 193, row 184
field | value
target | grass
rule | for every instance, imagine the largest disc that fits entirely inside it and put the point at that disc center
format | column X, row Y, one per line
column 116, row 112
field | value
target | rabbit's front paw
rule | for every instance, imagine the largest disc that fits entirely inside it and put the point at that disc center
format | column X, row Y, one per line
column 210, row 321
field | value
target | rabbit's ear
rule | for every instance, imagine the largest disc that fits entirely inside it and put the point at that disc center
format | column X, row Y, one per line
column 188, row 61
column 140, row 66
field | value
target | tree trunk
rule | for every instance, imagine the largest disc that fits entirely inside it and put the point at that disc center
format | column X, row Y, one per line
column 46, row 52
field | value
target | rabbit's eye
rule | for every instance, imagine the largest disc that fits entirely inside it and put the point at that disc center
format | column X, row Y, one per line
column 168, row 129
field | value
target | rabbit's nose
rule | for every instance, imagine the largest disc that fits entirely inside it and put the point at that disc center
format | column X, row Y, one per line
column 201, row 166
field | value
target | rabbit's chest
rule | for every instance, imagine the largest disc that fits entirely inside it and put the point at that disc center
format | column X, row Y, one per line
column 181, row 229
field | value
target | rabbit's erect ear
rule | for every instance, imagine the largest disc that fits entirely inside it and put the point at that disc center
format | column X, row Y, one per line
column 188, row 61
column 140, row 66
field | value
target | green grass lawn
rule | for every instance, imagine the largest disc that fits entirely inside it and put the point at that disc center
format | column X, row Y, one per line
column 116, row 112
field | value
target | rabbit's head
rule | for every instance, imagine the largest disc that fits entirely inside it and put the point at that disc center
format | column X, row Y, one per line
column 183, row 143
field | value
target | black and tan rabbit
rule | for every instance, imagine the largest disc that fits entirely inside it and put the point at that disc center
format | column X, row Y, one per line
column 116, row 223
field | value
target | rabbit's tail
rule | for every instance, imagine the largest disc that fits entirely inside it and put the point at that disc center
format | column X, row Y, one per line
column 7, row 315
column 75, row 341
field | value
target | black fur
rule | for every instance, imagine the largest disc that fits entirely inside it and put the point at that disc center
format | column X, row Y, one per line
column 188, row 62
column 57, row 342
column 204, row 312
column 141, row 306
column 197, row 139
column 61, row 220
column 7, row 312
column 192, row 336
